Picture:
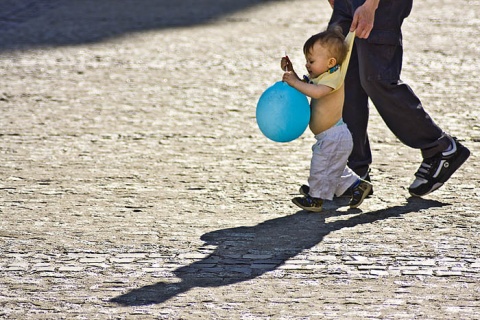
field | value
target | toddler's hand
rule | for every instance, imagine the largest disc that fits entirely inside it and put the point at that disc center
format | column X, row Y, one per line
column 289, row 77
column 286, row 64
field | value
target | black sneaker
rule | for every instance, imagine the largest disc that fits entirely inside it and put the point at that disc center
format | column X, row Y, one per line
column 359, row 193
column 434, row 171
column 349, row 192
column 308, row 203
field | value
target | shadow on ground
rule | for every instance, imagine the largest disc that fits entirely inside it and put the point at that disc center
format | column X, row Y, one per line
column 34, row 23
column 245, row 253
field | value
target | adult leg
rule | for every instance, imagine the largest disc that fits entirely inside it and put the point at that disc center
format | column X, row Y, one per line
column 355, row 109
column 355, row 115
column 380, row 63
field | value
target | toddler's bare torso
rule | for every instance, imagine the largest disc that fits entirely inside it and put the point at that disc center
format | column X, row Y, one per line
column 326, row 111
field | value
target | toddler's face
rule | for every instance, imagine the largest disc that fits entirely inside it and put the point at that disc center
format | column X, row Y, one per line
column 318, row 60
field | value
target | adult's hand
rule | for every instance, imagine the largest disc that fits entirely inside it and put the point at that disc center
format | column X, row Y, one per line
column 363, row 19
column 331, row 3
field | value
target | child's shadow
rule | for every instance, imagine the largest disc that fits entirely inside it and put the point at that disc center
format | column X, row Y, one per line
column 244, row 253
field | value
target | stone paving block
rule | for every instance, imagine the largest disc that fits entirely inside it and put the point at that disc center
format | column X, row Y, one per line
column 371, row 267
column 379, row 272
column 426, row 272
column 298, row 262
column 316, row 267
column 16, row 268
column 70, row 269
column 359, row 263
column 422, row 263
column 323, row 258
column 258, row 256
column 92, row 260
column 130, row 255
column 122, row 260
column 193, row 256
column 447, row 273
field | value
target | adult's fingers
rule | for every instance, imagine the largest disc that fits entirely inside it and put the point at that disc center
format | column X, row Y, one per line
column 354, row 25
column 362, row 23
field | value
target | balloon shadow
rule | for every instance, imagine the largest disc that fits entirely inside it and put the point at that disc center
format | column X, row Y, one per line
column 245, row 253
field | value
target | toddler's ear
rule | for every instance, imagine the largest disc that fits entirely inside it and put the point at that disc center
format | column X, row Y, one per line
column 332, row 62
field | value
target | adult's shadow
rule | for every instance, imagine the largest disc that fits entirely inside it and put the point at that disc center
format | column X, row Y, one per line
column 245, row 253
column 40, row 23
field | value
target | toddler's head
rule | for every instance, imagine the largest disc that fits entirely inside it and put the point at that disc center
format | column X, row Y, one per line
column 325, row 50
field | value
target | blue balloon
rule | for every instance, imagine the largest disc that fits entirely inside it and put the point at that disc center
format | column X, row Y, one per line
column 283, row 113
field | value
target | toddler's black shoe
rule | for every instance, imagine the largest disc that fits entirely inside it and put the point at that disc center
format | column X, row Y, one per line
column 434, row 171
column 308, row 203
column 349, row 192
column 359, row 193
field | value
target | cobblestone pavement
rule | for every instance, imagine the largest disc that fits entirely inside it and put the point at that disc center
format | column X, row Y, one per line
column 135, row 184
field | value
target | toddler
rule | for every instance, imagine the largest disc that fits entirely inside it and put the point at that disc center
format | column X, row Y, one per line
column 327, row 55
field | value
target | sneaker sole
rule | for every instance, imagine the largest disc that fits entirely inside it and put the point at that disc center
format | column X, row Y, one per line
column 463, row 156
column 433, row 188
column 311, row 209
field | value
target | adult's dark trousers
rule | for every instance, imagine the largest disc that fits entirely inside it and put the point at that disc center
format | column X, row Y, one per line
column 374, row 72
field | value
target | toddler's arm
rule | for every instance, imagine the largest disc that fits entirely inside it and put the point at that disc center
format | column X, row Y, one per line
column 315, row 91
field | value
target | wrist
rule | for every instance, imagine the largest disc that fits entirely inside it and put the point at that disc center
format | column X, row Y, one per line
column 372, row 4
